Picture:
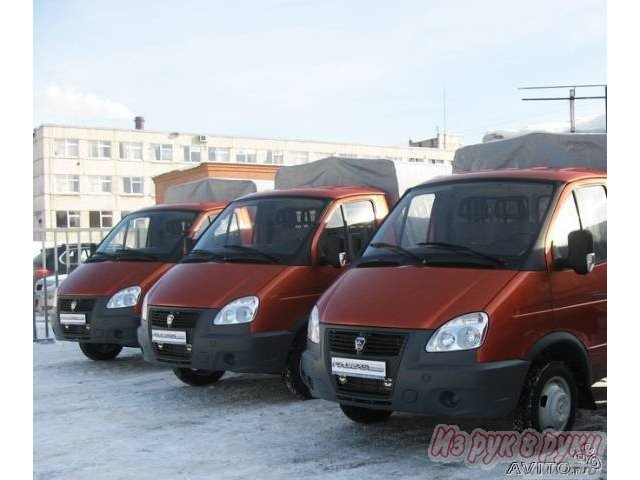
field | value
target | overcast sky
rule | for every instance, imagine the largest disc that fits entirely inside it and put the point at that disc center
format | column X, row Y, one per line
column 354, row 71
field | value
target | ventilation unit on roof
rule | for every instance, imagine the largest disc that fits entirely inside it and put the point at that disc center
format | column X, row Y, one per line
column 202, row 138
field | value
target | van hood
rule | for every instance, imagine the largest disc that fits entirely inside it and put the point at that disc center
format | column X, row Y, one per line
column 211, row 285
column 106, row 278
column 409, row 297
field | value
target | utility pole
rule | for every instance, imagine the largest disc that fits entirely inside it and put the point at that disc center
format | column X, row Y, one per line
column 572, row 109
column 572, row 99
column 444, row 114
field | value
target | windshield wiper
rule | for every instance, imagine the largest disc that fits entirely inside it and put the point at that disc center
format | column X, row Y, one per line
column 254, row 251
column 100, row 257
column 463, row 249
column 202, row 256
column 133, row 254
column 400, row 251
column 377, row 262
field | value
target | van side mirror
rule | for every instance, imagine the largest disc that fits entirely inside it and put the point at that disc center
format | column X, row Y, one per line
column 581, row 257
column 336, row 260
column 331, row 251
column 189, row 242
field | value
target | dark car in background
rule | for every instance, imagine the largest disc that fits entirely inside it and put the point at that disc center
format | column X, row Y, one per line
column 67, row 256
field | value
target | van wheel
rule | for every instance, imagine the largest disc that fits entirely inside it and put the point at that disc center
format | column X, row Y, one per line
column 549, row 398
column 100, row 351
column 198, row 378
column 365, row 415
column 291, row 375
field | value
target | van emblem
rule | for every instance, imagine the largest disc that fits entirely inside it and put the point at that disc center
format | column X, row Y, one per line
column 170, row 318
column 73, row 305
column 359, row 344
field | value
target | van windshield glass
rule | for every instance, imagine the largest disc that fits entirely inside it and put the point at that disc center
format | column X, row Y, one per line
column 261, row 230
column 147, row 236
column 480, row 223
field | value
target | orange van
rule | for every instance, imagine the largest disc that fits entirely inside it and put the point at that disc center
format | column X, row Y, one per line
column 482, row 294
column 98, row 305
column 241, row 299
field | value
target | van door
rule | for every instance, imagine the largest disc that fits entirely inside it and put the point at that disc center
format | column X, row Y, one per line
column 580, row 301
column 348, row 230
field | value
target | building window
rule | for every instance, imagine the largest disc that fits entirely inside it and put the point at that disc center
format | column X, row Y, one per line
column 436, row 161
column 68, row 219
column 130, row 151
column 67, row 183
column 100, row 183
column 133, row 185
column 192, row 154
column 416, row 160
column 99, row 149
column 162, row 152
column 218, row 154
column 275, row 157
column 65, row 147
column 296, row 158
column 246, row 156
column 100, row 219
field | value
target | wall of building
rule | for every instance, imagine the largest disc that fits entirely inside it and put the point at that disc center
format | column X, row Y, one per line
column 75, row 164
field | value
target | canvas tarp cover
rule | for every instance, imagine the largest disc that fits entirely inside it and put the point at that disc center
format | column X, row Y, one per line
column 558, row 150
column 384, row 175
column 209, row 190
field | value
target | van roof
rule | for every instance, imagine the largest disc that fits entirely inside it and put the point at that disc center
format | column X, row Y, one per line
column 564, row 175
column 332, row 192
column 193, row 206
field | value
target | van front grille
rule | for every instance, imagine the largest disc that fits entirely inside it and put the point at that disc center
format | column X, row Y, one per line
column 82, row 305
column 376, row 344
column 181, row 318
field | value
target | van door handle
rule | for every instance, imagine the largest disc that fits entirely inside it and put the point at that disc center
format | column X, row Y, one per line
column 600, row 295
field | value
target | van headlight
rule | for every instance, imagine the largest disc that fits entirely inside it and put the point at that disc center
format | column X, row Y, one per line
column 313, row 328
column 144, row 314
column 242, row 310
column 127, row 297
column 462, row 333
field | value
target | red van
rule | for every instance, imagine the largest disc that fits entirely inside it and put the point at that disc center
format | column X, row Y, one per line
column 482, row 294
column 98, row 305
column 240, row 300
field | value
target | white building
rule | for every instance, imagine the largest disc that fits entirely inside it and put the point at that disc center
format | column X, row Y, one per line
column 90, row 177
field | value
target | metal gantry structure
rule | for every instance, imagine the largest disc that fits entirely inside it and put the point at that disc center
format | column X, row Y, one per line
column 572, row 99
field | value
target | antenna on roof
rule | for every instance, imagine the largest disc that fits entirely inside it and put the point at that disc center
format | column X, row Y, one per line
column 572, row 98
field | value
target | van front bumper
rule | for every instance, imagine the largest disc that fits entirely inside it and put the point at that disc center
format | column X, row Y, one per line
column 446, row 384
column 213, row 347
column 117, row 326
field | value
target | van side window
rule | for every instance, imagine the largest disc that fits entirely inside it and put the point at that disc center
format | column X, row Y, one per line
column 592, row 203
column 205, row 223
column 361, row 223
column 567, row 221
column 333, row 238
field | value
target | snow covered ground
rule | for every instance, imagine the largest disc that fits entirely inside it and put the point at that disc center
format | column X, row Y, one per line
column 130, row 419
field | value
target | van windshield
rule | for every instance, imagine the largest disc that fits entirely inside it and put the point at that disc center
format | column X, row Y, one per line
column 261, row 230
column 479, row 223
column 147, row 236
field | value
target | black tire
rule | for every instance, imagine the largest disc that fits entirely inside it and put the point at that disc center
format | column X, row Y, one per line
column 549, row 398
column 100, row 351
column 292, row 374
column 365, row 415
column 198, row 378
